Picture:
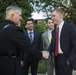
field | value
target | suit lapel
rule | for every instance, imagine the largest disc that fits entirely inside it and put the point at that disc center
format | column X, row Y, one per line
column 26, row 35
column 54, row 35
column 63, row 31
column 46, row 35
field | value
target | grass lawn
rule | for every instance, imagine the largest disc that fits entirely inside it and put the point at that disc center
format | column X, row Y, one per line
column 42, row 67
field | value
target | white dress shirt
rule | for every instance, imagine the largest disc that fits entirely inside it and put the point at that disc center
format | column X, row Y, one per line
column 31, row 34
column 60, row 28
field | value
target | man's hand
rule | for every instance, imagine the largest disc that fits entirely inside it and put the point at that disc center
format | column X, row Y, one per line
column 22, row 63
column 68, row 63
column 45, row 54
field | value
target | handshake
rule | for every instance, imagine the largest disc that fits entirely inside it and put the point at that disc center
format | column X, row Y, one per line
column 45, row 54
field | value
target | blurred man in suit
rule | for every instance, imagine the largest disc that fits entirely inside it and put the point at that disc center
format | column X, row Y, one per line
column 47, row 36
column 63, row 44
column 12, row 41
column 34, row 38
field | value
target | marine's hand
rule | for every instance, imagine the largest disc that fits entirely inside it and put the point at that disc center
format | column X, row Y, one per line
column 45, row 54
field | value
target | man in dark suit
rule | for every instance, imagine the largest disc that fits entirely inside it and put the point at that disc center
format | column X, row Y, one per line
column 12, row 41
column 63, row 44
column 36, row 40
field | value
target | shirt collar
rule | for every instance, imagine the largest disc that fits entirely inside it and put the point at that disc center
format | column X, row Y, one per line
column 61, row 25
column 50, row 30
column 30, row 31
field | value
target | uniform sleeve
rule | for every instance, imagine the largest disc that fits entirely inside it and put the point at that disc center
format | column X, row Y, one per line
column 19, row 39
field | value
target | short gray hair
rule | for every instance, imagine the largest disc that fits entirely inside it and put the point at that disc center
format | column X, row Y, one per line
column 13, row 8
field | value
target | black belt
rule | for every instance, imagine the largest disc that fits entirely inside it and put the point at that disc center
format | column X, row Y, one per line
column 9, row 56
column 60, row 54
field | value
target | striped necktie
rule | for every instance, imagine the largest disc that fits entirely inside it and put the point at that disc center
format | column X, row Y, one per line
column 30, row 36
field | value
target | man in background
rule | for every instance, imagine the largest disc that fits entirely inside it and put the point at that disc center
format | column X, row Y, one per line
column 47, row 36
column 33, row 37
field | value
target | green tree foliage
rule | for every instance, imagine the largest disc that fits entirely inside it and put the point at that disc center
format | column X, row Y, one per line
column 24, row 4
column 69, row 6
column 48, row 5
column 40, row 27
column 71, row 12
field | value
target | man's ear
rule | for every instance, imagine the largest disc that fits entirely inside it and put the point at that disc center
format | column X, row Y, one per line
column 12, row 15
column 60, row 15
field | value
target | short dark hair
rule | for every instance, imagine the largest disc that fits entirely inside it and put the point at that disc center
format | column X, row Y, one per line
column 29, row 20
column 48, row 19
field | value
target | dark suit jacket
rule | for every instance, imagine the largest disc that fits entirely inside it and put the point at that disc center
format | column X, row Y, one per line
column 67, row 43
column 12, row 40
column 37, row 43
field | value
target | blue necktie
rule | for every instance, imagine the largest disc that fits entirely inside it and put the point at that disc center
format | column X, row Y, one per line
column 30, row 36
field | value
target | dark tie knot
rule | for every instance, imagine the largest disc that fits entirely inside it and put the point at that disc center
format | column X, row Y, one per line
column 30, row 32
column 57, row 29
